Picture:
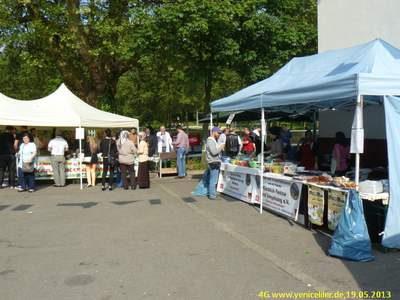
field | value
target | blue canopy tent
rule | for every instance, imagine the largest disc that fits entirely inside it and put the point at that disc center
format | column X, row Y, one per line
column 353, row 77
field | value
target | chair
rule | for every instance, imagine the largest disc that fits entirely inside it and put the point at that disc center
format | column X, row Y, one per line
column 364, row 173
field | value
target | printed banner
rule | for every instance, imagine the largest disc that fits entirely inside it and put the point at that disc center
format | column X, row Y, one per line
column 44, row 170
column 316, row 205
column 336, row 200
column 282, row 195
column 237, row 185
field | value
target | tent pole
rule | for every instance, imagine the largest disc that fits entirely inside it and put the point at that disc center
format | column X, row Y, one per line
column 357, row 179
column 315, row 126
column 211, row 123
column 80, row 161
column 262, row 160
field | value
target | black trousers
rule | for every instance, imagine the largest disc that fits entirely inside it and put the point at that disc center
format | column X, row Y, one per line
column 7, row 161
column 105, row 171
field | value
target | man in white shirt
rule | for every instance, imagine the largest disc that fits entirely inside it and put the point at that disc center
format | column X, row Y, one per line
column 164, row 144
column 57, row 147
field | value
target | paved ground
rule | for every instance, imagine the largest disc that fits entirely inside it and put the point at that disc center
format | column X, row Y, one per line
column 160, row 243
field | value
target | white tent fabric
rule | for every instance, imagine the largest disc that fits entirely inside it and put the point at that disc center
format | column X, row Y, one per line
column 61, row 109
column 325, row 80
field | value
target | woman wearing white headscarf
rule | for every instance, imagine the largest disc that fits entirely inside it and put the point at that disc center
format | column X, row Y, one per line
column 126, row 157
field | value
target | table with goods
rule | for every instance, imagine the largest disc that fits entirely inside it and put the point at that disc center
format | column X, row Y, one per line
column 308, row 197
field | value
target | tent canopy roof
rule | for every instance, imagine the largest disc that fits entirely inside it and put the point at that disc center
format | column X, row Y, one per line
column 61, row 109
column 332, row 79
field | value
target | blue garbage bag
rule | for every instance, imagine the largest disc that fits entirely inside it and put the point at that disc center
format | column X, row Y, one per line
column 350, row 239
column 202, row 187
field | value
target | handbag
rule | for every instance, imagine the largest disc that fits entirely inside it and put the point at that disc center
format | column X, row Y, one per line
column 87, row 159
column 112, row 159
column 26, row 167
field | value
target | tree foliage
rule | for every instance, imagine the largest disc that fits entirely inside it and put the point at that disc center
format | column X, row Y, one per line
column 154, row 59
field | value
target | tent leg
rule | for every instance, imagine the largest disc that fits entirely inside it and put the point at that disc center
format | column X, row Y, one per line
column 357, row 179
column 80, row 162
column 262, row 160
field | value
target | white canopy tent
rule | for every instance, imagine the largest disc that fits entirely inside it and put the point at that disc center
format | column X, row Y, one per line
column 61, row 109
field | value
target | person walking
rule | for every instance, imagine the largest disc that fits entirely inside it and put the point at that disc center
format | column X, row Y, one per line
column 164, row 144
column 27, row 153
column 108, row 148
column 7, row 156
column 213, row 157
column 91, row 158
column 57, row 148
column 143, row 174
column 126, row 157
column 182, row 143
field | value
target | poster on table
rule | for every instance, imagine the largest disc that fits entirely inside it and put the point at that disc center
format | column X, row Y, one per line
column 336, row 201
column 316, row 205
column 237, row 185
column 282, row 195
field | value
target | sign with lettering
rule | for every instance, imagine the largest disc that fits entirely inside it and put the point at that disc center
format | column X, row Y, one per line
column 237, row 185
column 282, row 195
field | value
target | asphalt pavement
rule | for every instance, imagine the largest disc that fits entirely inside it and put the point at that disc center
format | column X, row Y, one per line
column 161, row 243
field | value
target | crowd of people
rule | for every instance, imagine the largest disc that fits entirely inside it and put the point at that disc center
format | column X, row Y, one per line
column 19, row 153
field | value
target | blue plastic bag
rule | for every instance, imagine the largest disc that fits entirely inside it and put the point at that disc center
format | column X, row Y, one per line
column 350, row 239
column 202, row 187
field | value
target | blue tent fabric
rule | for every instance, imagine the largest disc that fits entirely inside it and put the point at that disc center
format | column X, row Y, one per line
column 391, row 237
column 202, row 187
column 350, row 240
column 324, row 80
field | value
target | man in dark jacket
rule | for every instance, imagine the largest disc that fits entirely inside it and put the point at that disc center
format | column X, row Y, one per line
column 7, row 156
column 233, row 143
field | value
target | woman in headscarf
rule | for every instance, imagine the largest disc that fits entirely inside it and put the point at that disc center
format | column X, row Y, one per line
column 143, row 174
column 126, row 157
column 91, row 151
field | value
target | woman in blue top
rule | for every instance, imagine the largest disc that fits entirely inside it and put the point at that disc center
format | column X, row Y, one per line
column 27, row 154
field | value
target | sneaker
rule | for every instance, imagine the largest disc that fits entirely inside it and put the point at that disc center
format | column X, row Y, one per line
column 17, row 187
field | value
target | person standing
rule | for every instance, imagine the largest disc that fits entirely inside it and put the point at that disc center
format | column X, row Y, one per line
column 151, row 138
column 222, row 137
column 133, row 137
column 90, row 151
column 7, row 157
column 182, row 143
column 248, row 147
column 255, row 138
column 126, row 157
column 233, row 143
column 164, row 144
column 276, row 150
column 341, row 153
column 28, row 154
column 143, row 174
column 213, row 157
column 57, row 148
column 99, row 138
column 108, row 147
column 18, row 139
column 309, row 152
column 287, row 138
column 73, row 144
column 36, row 140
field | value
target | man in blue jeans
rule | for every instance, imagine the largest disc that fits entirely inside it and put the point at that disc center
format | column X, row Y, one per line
column 213, row 156
column 182, row 144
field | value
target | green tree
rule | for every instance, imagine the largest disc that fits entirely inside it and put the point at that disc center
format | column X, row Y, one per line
column 91, row 42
